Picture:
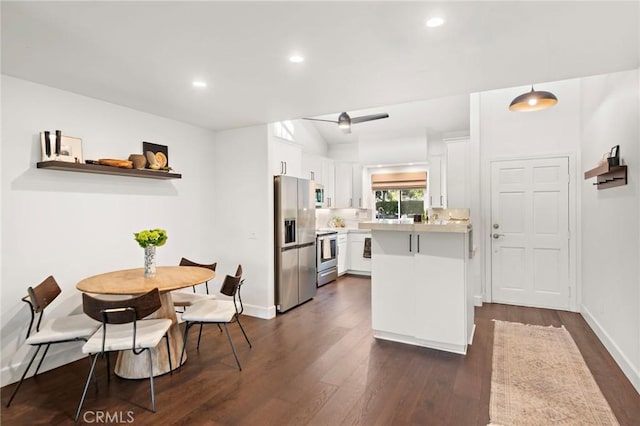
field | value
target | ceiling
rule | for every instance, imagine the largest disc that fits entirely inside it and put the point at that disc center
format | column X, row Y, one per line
column 145, row 55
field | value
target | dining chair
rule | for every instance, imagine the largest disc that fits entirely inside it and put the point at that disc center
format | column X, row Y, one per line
column 123, row 328
column 181, row 298
column 220, row 312
column 71, row 328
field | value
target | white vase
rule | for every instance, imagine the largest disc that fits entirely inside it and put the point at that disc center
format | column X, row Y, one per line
column 150, row 261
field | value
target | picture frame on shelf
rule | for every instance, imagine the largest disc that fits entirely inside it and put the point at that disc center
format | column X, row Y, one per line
column 159, row 152
column 69, row 149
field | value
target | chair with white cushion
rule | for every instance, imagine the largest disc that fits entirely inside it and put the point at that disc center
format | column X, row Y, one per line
column 183, row 299
column 123, row 328
column 219, row 311
column 70, row 328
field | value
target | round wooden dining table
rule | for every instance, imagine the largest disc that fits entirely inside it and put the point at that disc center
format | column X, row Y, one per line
column 132, row 282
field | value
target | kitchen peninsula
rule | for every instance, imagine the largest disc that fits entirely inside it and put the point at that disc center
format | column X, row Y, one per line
column 420, row 293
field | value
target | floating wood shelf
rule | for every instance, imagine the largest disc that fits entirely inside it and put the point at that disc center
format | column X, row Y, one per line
column 608, row 176
column 107, row 170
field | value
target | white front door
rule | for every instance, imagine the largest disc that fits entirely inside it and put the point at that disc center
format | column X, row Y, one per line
column 530, row 232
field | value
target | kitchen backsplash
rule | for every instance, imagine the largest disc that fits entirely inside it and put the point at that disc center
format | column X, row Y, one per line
column 350, row 217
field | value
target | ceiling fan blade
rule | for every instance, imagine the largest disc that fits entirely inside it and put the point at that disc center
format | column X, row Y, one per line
column 319, row 119
column 364, row 118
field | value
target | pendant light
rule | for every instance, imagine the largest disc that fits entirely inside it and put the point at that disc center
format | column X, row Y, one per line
column 533, row 101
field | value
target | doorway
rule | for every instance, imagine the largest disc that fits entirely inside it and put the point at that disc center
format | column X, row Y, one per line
column 529, row 247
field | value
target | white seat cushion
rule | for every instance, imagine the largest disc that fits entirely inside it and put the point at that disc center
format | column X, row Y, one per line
column 64, row 328
column 181, row 298
column 120, row 336
column 210, row 311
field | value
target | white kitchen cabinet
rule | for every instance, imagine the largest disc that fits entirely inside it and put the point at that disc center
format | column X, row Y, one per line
column 437, row 187
column 458, row 184
column 392, row 305
column 419, row 289
column 358, row 264
column 357, row 194
column 328, row 176
column 312, row 168
column 286, row 158
column 344, row 185
column 343, row 253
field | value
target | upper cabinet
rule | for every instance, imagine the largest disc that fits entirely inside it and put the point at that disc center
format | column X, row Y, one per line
column 358, row 195
column 344, row 185
column 312, row 168
column 436, row 188
column 286, row 158
column 329, row 182
column 457, row 172
column 348, row 186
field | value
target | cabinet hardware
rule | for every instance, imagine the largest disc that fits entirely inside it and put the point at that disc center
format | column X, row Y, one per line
column 430, row 201
column 285, row 167
column 418, row 236
column 496, row 236
column 313, row 176
column 409, row 243
column 350, row 202
column 441, row 203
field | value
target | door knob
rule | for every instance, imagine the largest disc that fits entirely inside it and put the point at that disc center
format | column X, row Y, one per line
column 496, row 236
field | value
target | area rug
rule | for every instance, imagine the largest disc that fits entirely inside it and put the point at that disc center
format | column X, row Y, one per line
column 540, row 378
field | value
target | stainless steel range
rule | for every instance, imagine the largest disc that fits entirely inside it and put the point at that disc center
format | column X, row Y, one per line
column 327, row 257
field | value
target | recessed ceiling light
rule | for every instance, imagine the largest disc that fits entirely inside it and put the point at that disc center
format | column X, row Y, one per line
column 436, row 21
column 199, row 84
column 296, row 59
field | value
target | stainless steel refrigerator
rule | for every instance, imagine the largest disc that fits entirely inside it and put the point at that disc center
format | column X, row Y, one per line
column 295, row 241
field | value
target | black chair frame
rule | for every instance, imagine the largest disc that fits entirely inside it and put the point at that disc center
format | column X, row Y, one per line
column 229, row 288
column 40, row 311
column 118, row 315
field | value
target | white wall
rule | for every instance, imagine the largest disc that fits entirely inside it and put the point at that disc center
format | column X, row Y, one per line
column 592, row 115
column 348, row 152
column 392, row 151
column 309, row 138
column 73, row 225
column 504, row 134
column 243, row 222
column 610, row 230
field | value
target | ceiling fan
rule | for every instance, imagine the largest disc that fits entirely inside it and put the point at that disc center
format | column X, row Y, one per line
column 345, row 121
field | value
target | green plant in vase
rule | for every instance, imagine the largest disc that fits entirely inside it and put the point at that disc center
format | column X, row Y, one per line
column 149, row 240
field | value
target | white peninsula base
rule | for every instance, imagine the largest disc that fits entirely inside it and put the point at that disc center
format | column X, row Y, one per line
column 419, row 287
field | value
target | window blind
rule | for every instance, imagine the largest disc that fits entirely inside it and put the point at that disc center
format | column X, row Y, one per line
column 417, row 180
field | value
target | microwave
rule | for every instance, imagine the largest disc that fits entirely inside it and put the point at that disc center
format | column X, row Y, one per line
column 319, row 195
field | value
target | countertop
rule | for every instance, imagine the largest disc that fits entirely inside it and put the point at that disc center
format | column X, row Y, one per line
column 346, row 230
column 456, row 227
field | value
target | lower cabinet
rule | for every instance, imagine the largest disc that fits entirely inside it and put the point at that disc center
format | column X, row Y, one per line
column 343, row 253
column 420, row 294
column 358, row 264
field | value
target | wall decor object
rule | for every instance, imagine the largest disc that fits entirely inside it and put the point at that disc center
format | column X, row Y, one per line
column 157, row 155
column 58, row 147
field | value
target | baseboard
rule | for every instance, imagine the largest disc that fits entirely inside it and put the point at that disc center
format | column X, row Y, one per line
column 477, row 300
column 410, row 340
column 620, row 358
column 359, row 273
column 11, row 373
column 259, row 311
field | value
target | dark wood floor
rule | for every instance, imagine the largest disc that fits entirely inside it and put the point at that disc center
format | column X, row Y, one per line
column 317, row 364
